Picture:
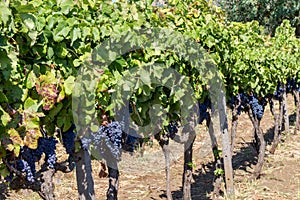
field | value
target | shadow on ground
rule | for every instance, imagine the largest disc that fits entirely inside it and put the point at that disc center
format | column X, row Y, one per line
column 244, row 159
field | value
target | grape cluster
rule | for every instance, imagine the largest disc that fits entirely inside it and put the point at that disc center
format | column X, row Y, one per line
column 279, row 91
column 256, row 107
column 109, row 140
column 241, row 100
column 292, row 84
column 203, row 110
column 29, row 156
column 172, row 129
column 130, row 143
column 130, row 109
column 159, row 4
column 298, row 87
column 68, row 139
column 23, row 166
column 48, row 146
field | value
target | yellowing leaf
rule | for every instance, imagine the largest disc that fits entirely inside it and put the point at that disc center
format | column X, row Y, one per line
column 17, row 149
column 31, row 138
column 61, row 96
column 15, row 137
column 10, row 147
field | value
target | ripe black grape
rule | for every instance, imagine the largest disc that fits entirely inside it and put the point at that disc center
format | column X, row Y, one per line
column 257, row 108
column 130, row 143
column 203, row 110
column 279, row 91
column 241, row 100
column 23, row 166
column 109, row 140
column 31, row 156
column 130, row 108
column 68, row 139
column 172, row 129
column 48, row 146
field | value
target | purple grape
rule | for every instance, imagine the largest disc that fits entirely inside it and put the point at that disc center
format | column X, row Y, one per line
column 68, row 139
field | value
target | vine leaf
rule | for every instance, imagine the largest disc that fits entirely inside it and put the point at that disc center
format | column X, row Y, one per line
column 31, row 105
column 69, row 84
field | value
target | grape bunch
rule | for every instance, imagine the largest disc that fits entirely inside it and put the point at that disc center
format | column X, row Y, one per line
column 256, row 107
column 23, row 166
column 130, row 108
column 279, row 91
column 292, row 84
column 241, row 100
column 298, row 87
column 48, row 146
column 130, row 143
column 203, row 110
column 172, row 129
column 159, row 3
column 109, row 140
column 68, row 139
column 30, row 156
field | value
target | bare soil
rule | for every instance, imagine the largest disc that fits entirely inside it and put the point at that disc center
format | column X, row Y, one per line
column 143, row 176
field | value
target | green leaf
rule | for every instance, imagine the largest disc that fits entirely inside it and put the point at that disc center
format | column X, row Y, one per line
column 29, row 20
column 86, row 31
column 5, row 117
column 3, row 97
column 77, row 62
column 75, row 34
column 31, row 105
column 52, row 20
column 3, row 170
column 61, row 31
column 210, row 41
column 28, row 8
column 40, row 23
column 33, row 36
column 5, row 13
column 31, row 80
column 61, row 51
column 66, row 5
column 96, row 33
column 69, row 84
column 55, row 111
column 94, row 128
column 50, row 53
column 219, row 172
column 145, row 77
